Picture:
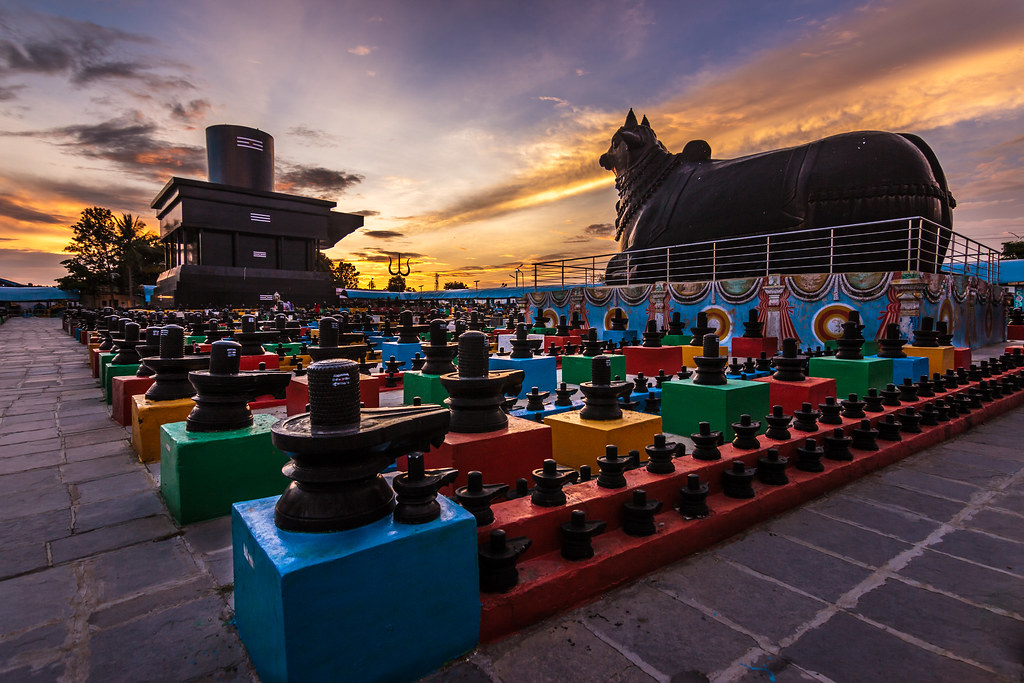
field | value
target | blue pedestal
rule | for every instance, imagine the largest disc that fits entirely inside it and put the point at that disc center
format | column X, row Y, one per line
column 748, row 375
column 384, row 602
column 911, row 366
column 541, row 371
column 641, row 398
column 401, row 352
column 539, row 415
column 618, row 336
column 375, row 340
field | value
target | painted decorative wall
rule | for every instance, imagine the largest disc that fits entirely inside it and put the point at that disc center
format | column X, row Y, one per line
column 811, row 308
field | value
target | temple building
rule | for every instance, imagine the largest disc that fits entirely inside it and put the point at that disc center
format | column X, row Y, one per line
column 233, row 240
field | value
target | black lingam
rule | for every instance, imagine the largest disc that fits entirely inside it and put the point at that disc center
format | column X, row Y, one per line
column 612, row 468
column 853, row 408
column 522, row 345
column 837, row 445
column 809, row 457
column 476, row 394
column 619, row 322
column 252, row 339
column 549, row 481
column 924, row 335
column 601, row 394
column 223, row 392
column 890, row 396
column 661, row 453
column 752, row 327
column 577, row 534
column 652, row 337
column 640, row 384
column 638, row 514
column 439, row 351
column 746, row 433
column 127, row 345
column 150, row 346
column 676, row 325
column 738, row 480
column 852, row 341
column 563, row 395
column 416, row 491
column 790, row 367
column 891, row 345
column 535, row 399
column 889, row 429
column 700, row 329
column 694, row 504
column 778, row 424
column 562, row 330
column 864, row 437
column 771, row 468
column 806, row 419
column 408, row 333
column 943, row 335
column 710, row 366
column 873, row 401
column 706, row 443
column 592, row 346
column 339, row 450
column 908, row 391
column 830, row 412
column 497, row 560
column 925, row 388
column 476, row 497
column 330, row 337
column 171, row 367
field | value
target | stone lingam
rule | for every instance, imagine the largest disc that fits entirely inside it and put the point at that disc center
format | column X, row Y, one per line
column 253, row 339
column 171, row 367
column 339, row 450
column 601, row 394
column 223, row 392
column 700, row 329
column 477, row 394
column 752, row 327
column 332, row 343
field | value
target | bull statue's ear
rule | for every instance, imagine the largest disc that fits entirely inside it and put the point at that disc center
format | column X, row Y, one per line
column 631, row 139
column 645, row 122
column 630, row 120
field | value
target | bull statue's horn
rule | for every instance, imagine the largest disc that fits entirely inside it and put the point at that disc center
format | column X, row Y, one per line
column 645, row 122
column 630, row 120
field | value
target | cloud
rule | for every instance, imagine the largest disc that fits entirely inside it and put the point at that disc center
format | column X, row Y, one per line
column 25, row 265
column 602, row 231
column 35, row 57
column 131, row 142
column 313, row 136
column 9, row 92
column 382, row 234
column 361, row 50
column 25, row 214
column 380, row 256
column 323, row 182
column 192, row 112
column 365, row 212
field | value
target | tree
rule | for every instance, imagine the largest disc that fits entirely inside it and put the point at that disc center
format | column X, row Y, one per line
column 345, row 275
column 94, row 264
column 140, row 253
column 372, row 285
column 1013, row 250
column 396, row 284
column 323, row 263
column 455, row 284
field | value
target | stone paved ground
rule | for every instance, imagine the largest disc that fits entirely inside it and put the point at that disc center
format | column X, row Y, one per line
column 915, row 573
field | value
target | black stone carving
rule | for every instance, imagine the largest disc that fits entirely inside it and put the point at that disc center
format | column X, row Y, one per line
column 676, row 324
column 601, row 394
column 563, row 395
column 924, row 335
column 738, row 480
column 837, row 445
column 806, row 419
column 943, row 335
column 700, row 329
column 476, row 497
column 416, row 491
column 661, row 453
column 771, row 468
column 752, row 327
column 329, row 338
column 809, row 456
column 830, row 412
column 864, row 437
column 126, row 346
column 891, row 345
column 706, row 443
column 907, row 391
column 612, row 468
column 652, row 337
column 694, row 503
column 549, row 481
column 852, row 408
column 778, row 424
column 746, row 433
column 790, row 367
column 710, row 366
column 171, row 367
column 476, row 395
column 638, row 514
column 889, row 428
column 592, row 346
column 338, row 451
column 535, row 399
column 497, row 560
column 577, row 534
column 873, row 402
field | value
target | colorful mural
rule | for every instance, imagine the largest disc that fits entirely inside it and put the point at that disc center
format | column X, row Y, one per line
column 811, row 308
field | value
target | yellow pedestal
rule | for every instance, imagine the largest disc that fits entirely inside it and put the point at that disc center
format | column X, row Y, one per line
column 148, row 417
column 287, row 364
column 940, row 358
column 690, row 351
column 576, row 442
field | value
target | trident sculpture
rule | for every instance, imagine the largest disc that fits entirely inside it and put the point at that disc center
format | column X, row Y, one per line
column 399, row 271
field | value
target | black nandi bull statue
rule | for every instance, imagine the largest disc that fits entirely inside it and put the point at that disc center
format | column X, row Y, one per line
column 670, row 199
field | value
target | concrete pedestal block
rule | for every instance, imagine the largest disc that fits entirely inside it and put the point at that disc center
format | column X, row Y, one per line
column 540, row 371
column 650, row 360
column 676, row 339
column 503, row 455
column 684, row 405
column 110, row 371
column 102, row 360
column 746, row 347
column 383, row 602
column 619, row 336
column 690, row 352
column 870, row 347
column 203, row 473
column 289, row 363
column 853, row 376
column 962, row 357
column 123, row 390
column 147, row 419
column 427, row 387
column 297, row 393
column 539, row 415
column 1014, row 332
column 792, row 395
column 576, row 369
column 940, row 358
column 401, row 352
column 289, row 348
column 911, row 366
column 576, row 441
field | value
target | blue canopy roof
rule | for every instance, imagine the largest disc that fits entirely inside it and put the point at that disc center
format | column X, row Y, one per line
column 1011, row 271
column 446, row 294
column 19, row 294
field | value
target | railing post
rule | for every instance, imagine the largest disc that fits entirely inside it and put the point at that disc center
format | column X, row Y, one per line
column 714, row 261
column 563, row 274
column 831, row 249
column 668, row 264
column 910, row 240
column 767, row 254
column 534, row 277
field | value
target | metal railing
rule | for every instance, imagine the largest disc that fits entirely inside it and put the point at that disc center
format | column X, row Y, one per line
column 900, row 244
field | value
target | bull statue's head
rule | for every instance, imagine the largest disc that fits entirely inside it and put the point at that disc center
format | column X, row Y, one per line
column 629, row 144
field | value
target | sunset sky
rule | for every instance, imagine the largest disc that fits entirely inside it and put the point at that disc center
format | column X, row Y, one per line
column 468, row 132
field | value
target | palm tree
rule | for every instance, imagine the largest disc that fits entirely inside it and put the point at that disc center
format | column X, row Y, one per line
column 139, row 251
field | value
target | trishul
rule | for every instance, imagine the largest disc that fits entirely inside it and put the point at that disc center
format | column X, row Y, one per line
column 399, row 271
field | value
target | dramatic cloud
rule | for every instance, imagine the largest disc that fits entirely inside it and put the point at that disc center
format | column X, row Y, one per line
column 379, row 256
column 37, row 267
column 131, row 142
column 601, row 231
column 313, row 137
column 317, row 180
column 382, row 234
column 23, row 213
column 192, row 112
column 365, row 212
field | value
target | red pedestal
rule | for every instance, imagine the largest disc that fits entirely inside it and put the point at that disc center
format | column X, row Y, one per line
column 1014, row 332
column 298, row 393
column 502, row 456
column 790, row 395
column 121, row 392
column 383, row 378
column 746, row 347
column 650, row 360
column 253, row 362
column 961, row 358
column 94, row 362
column 266, row 401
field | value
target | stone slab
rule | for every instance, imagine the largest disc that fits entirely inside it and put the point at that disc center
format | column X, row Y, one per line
column 684, row 405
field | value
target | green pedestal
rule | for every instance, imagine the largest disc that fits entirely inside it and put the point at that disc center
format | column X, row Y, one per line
column 290, row 349
column 104, row 360
column 110, row 372
column 676, row 339
column 195, row 339
column 544, row 330
column 203, row 473
column 576, row 369
column 853, row 376
column 684, row 405
column 427, row 387
column 870, row 347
